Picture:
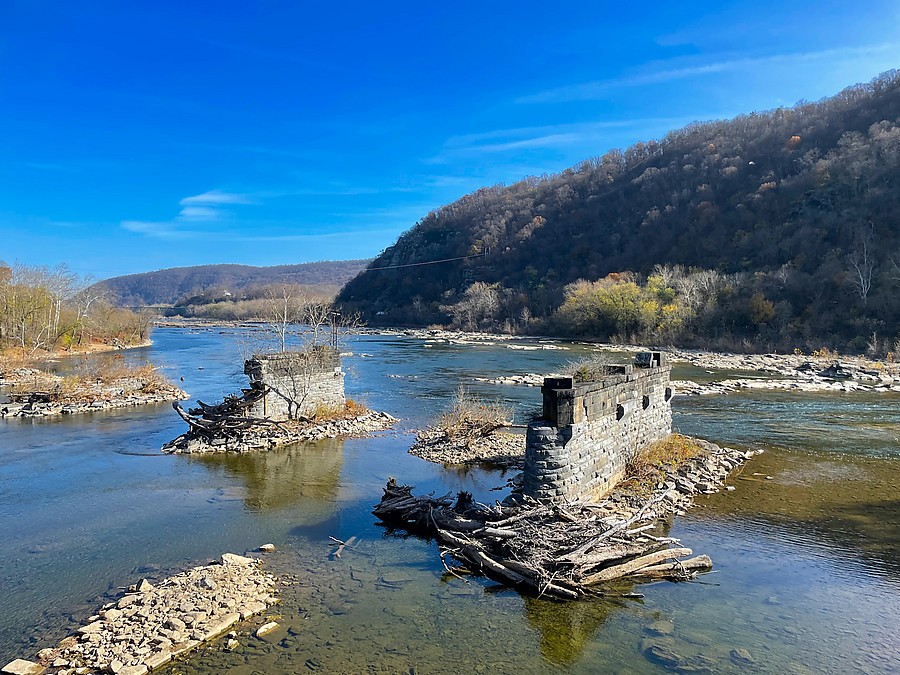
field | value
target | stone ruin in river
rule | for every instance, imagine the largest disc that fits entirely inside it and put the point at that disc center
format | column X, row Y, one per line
column 283, row 386
column 296, row 383
column 590, row 429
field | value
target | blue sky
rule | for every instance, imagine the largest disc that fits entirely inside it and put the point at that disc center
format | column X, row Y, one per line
column 137, row 136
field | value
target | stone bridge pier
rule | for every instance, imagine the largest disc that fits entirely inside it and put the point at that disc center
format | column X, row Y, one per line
column 591, row 429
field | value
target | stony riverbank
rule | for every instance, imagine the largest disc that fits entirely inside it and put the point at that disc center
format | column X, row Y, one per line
column 265, row 437
column 35, row 393
column 706, row 473
column 794, row 374
column 153, row 623
column 498, row 449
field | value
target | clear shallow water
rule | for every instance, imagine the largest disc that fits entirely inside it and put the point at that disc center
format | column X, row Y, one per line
column 807, row 572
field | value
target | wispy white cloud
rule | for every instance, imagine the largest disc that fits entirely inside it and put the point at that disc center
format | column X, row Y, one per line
column 164, row 230
column 529, row 138
column 599, row 89
column 215, row 198
column 199, row 213
column 196, row 211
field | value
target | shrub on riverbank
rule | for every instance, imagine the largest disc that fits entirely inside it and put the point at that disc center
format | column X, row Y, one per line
column 470, row 417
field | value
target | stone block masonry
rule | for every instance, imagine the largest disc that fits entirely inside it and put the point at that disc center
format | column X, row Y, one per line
column 590, row 430
column 298, row 383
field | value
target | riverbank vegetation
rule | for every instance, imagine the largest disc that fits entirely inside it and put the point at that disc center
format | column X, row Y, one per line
column 771, row 231
column 46, row 310
column 90, row 385
column 250, row 304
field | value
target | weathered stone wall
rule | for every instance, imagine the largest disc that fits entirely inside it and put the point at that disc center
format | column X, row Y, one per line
column 298, row 382
column 591, row 429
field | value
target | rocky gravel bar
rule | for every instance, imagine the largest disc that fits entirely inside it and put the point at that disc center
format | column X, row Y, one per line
column 122, row 393
column 271, row 436
column 152, row 624
column 497, row 449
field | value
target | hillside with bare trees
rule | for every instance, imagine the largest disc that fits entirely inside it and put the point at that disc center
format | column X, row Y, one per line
column 772, row 230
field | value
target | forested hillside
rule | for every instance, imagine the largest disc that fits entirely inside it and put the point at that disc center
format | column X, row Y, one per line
column 771, row 230
column 170, row 285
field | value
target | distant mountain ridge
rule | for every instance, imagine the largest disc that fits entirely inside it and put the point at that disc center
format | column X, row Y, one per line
column 794, row 213
column 166, row 286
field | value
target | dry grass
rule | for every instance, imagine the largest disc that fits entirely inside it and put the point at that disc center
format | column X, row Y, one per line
column 645, row 470
column 330, row 413
column 590, row 368
column 470, row 417
column 12, row 359
column 91, row 379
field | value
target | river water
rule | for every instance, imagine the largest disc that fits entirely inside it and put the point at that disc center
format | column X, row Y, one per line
column 807, row 562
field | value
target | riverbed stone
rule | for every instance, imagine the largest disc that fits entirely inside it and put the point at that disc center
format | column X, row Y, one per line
column 661, row 650
column 662, row 627
column 266, row 628
column 139, row 669
column 22, row 667
column 742, row 656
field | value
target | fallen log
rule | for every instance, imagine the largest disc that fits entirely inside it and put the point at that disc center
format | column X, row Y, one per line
column 619, row 571
column 677, row 569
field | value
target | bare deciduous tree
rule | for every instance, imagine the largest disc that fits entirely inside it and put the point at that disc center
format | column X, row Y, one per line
column 862, row 264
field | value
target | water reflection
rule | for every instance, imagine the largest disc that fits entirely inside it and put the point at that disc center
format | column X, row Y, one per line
column 567, row 627
column 832, row 506
column 306, row 474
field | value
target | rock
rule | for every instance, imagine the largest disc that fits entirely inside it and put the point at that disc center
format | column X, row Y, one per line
column 144, row 586
column 660, row 628
column 158, row 659
column 660, row 650
column 115, row 666
column 266, row 628
column 22, row 667
column 207, row 583
column 94, row 627
column 267, row 548
column 232, row 644
column 134, row 670
column 126, row 600
column 175, row 624
column 742, row 656
column 232, row 559
column 684, row 486
column 220, row 626
column 111, row 614
column 251, row 608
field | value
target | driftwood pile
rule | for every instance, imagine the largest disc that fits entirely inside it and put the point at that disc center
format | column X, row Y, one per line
column 547, row 550
column 566, row 550
column 228, row 418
